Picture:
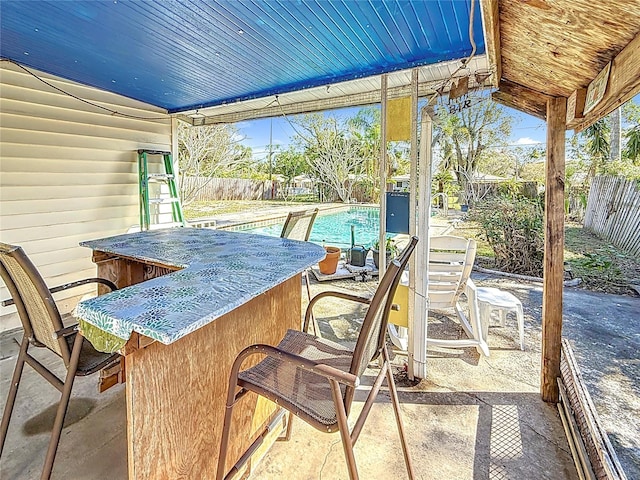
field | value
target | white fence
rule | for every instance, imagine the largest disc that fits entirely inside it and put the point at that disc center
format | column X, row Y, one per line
column 613, row 211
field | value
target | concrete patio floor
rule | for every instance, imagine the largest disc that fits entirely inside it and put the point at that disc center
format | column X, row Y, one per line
column 473, row 418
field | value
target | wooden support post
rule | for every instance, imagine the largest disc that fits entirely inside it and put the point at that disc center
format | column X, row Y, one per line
column 418, row 324
column 414, row 317
column 382, row 263
column 553, row 249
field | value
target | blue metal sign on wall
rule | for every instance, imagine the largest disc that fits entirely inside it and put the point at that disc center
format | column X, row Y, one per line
column 182, row 55
column 397, row 212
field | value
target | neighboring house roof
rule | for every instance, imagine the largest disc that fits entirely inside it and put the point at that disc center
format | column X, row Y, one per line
column 303, row 179
column 359, row 177
column 401, row 178
column 485, row 177
column 478, row 177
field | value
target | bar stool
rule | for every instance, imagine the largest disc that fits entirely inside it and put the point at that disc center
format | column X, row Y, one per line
column 492, row 300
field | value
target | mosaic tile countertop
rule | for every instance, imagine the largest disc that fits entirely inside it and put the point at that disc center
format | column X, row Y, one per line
column 222, row 270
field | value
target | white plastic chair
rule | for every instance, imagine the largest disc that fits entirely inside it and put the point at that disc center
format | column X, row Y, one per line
column 450, row 264
column 493, row 300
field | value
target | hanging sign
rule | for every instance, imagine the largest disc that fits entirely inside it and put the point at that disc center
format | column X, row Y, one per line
column 459, row 88
column 596, row 89
column 457, row 107
column 399, row 119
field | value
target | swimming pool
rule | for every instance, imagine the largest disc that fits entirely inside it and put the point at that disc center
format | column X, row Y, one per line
column 334, row 228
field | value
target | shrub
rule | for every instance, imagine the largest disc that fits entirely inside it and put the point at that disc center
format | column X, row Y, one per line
column 513, row 226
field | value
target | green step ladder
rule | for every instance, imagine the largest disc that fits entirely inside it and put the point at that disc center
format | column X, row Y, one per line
column 168, row 178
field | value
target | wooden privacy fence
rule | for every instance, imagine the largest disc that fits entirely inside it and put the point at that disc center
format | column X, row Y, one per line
column 227, row 188
column 613, row 212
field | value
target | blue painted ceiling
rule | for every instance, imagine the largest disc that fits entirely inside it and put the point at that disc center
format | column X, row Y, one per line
column 182, row 55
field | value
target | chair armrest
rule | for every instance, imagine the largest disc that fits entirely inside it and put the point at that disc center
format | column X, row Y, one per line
column 108, row 283
column 66, row 286
column 327, row 371
column 332, row 293
column 66, row 331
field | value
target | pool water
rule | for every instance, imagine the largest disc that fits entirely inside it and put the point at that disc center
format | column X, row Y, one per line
column 335, row 228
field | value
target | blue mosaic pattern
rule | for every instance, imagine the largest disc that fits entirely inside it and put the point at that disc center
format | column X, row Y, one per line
column 222, row 270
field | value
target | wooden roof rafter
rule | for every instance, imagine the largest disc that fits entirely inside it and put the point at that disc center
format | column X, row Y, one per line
column 541, row 49
column 623, row 84
column 522, row 98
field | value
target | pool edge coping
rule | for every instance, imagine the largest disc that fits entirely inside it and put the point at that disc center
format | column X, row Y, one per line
column 270, row 220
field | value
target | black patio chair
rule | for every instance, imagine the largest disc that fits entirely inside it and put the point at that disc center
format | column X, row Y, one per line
column 43, row 327
column 315, row 379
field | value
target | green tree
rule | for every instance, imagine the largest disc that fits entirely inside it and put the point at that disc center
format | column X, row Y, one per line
column 465, row 137
column 593, row 150
column 365, row 126
column 503, row 162
column 534, row 172
column 597, row 145
column 333, row 152
column 525, row 156
column 514, row 227
column 289, row 164
column 207, row 152
column 632, row 145
column 631, row 136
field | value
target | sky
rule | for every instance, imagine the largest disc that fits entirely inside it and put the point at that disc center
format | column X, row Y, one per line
column 526, row 130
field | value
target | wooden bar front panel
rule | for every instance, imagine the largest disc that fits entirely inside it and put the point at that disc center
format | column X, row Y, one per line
column 176, row 393
column 125, row 272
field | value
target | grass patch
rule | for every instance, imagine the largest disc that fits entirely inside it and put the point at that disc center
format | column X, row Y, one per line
column 473, row 230
column 205, row 209
column 602, row 266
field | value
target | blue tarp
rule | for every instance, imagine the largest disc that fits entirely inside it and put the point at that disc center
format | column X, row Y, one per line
column 182, row 55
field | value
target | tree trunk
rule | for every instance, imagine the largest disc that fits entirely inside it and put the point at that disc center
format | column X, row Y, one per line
column 616, row 127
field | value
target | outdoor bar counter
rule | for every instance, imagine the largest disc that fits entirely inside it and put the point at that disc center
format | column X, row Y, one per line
column 194, row 299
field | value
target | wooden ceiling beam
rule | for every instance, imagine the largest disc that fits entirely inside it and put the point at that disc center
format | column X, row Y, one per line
column 624, row 84
column 522, row 98
column 275, row 110
column 185, row 119
column 491, row 25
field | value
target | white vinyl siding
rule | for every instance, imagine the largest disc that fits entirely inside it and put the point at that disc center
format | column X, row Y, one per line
column 68, row 172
